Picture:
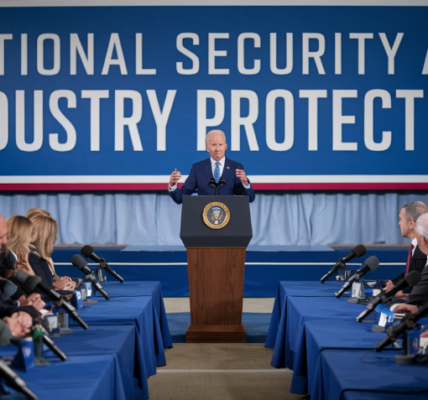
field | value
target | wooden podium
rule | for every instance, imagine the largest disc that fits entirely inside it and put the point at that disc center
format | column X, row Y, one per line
column 216, row 265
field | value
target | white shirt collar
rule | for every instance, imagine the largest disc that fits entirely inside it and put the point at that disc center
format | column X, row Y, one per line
column 414, row 242
column 220, row 161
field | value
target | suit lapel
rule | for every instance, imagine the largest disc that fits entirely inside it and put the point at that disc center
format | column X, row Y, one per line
column 208, row 170
column 228, row 173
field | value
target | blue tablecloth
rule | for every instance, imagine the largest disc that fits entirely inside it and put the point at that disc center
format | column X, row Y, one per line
column 143, row 288
column 118, row 340
column 362, row 395
column 137, row 311
column 338, row 371
column 295, row 289
column 91, row 377
column 319, row 335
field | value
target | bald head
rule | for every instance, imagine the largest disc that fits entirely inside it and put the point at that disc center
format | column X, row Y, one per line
column 3, row 233
column 215, row 143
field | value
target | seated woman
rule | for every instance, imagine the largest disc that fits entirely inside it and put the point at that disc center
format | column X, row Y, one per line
column 19, row 238
column 44, row 233
column 18, row 244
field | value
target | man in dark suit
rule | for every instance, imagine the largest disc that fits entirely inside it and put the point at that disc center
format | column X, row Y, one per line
column 215, row 167
column 419, row 294
column 416, row 259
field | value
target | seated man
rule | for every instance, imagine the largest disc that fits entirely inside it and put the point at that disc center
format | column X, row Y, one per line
column 416, row 259
column 419, row 294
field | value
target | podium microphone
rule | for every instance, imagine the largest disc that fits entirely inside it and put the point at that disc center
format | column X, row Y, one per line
column 410, row 280
column 357, row 251
column 214, row 185
column 88, row 252
column 221, row 183
column 408, row 323
column 13, row 380
column 30, row 284
column 370, row 264
column 81, row 264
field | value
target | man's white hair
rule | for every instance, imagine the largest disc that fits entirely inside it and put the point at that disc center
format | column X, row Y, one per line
column 215, row 132
column 422, row 225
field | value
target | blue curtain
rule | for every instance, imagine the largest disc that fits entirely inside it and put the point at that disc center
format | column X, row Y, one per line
column 277, row 218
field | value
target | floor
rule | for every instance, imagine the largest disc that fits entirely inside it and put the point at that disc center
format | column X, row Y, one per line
column 220, row 371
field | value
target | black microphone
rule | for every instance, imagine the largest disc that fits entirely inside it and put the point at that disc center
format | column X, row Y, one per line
column 221, row 183
column 88, row 252
column 410, row 280
column 214, row 185
column 50, row 343
column 29, row 284
column 408, row 323
column 370, row 264
column 13, row 380
column 357, row 251
column 81, row 264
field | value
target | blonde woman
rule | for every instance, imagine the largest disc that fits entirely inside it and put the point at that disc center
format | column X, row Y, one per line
column 19, row 230
column 45, row 229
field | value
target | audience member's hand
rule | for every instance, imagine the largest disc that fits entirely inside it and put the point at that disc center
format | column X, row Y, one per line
column 19, row 323
column 400, row 295
column 407, row 308
column 388, row 286
column 34, row 300
column 64, row 283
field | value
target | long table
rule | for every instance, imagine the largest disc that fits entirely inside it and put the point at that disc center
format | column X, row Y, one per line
column 309, row 326
column 128, row 328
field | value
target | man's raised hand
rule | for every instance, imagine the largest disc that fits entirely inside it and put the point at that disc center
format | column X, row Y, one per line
column 174, row 178
column 240, row 173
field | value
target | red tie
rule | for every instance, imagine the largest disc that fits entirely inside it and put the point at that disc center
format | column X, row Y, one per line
column 409, row 259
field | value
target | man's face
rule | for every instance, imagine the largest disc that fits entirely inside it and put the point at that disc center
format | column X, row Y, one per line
column 406, row 226
column 3, row 234
column 422, row 243
column 216, row 146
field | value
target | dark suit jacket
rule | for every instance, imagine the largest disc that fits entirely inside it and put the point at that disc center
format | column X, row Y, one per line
column 419, row 294
column 41, row 268
column 418, row 262
column 200, row 175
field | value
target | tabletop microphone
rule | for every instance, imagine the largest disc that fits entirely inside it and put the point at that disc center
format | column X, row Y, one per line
column 409, row 281
column 407, row 323
column 88, row 252
column 81, row 264
column 370, row 264
column 50, row 343
column 357, row 251
column 13, row 380
column 29, row 284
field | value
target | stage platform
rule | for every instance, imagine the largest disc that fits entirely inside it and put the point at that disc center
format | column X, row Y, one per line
column 264, row 268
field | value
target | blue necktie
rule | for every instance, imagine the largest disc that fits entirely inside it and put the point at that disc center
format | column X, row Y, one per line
column 217, row 172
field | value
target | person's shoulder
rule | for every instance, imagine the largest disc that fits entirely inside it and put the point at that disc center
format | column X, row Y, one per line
column 232, row 163
column 200, row 164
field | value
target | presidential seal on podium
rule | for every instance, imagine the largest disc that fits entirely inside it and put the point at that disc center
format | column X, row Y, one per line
column 216, row 215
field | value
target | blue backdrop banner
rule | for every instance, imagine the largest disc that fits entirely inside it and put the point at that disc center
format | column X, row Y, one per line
column 317, row 98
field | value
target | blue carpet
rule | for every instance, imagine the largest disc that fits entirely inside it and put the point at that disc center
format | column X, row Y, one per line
column 256, row 325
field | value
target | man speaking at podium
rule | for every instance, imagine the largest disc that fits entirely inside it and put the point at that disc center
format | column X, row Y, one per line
column 215, row 167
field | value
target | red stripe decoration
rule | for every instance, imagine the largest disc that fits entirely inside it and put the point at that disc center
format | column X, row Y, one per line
column 91, row 187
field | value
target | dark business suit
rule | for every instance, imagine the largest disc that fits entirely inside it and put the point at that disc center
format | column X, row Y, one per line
column 417, row 263
column 419, row 294
column 200, row 175
column 41, row 268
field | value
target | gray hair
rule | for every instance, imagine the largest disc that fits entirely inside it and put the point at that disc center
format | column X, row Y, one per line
column 422, row 225
column 414, row 210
